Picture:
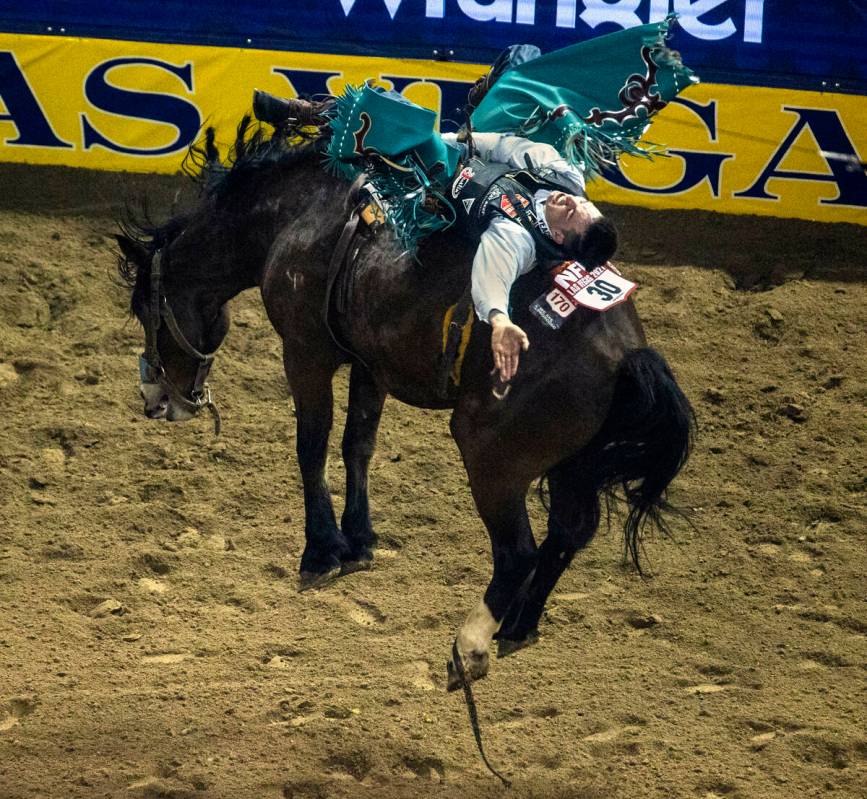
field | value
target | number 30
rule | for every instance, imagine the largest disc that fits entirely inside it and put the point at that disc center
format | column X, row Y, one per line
column 606, row 291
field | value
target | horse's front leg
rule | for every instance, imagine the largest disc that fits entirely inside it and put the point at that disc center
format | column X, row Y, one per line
column 326, row 547
column 366, row 399
column 505, row 515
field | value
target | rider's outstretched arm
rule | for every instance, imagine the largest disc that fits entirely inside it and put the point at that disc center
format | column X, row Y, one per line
column 506, row 251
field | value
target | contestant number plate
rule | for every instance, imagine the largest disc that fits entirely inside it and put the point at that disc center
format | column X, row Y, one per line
column 599, row 289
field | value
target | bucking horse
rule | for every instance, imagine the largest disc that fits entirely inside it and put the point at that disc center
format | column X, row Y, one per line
column 593, row 411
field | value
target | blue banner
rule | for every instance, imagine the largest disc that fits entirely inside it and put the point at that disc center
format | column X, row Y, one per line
column 799, row 43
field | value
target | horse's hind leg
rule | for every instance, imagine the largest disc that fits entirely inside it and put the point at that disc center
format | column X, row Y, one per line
column 502, row 507
column 359, row 438
column 572, row 522
column 326, row 546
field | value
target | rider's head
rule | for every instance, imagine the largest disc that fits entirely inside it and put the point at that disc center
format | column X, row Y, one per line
column 596, row 245
column 579, row 227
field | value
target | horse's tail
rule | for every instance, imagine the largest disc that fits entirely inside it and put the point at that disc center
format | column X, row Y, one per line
column 642, row 445
column 644, row 442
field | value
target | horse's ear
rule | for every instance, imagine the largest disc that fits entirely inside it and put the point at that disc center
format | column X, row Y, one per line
column 132, row 250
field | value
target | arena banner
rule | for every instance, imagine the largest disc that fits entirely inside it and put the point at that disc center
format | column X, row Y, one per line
column 137, row 106
column 799, row 43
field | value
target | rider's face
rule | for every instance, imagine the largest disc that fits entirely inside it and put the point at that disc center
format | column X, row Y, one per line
column 568, row 216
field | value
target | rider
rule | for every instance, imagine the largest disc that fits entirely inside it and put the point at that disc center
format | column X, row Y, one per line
column 532, row 208
column 521, row 198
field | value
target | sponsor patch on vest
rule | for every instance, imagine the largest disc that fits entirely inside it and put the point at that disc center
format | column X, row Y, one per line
column 522, row 199
column 506, row 206
column 465, row 176
column 468, row 204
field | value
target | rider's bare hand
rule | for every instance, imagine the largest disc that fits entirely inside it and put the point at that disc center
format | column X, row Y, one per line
column 507, row 342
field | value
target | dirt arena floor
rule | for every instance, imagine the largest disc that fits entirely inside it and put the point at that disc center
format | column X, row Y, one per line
column 153, row 642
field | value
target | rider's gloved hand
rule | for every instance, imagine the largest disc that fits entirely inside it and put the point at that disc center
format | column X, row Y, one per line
column 507, row 342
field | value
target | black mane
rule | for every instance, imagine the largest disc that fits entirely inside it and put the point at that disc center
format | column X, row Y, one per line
column 251, row 154
column 224, row 186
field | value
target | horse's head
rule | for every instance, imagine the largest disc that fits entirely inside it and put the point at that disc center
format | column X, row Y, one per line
column 184, row 324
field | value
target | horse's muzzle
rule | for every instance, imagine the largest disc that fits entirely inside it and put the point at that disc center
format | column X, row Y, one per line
column 156, row 401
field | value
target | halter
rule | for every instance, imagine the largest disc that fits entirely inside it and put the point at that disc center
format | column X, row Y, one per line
column 151, row 367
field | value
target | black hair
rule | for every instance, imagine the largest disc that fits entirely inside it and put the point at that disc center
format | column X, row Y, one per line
column 596, row 245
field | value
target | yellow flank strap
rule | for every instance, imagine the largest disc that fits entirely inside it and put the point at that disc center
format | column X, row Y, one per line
column 466, row 329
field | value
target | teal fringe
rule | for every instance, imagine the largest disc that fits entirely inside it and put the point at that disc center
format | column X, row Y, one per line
column 593, row 148
column 406, row 196
column 405, row 192
column 340, row 147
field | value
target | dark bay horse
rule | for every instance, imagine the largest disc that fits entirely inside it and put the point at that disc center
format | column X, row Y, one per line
column 592, row 409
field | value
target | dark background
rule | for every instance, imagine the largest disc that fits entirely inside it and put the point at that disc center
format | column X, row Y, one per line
column 806, row 44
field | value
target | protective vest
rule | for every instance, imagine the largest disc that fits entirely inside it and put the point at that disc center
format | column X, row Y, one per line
column 479, row 190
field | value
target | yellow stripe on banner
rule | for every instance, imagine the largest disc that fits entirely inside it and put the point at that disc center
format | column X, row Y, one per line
column 753, row 150
column 79, row 86
column 134, row 106
column 466, row 330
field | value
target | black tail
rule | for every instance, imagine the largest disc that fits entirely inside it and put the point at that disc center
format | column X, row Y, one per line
column 643, row 444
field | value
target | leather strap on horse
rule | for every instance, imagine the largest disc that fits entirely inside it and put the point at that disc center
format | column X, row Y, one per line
column 340, row 262
column 153, row 370
column 453, row 335
column 205, row 360
column 337, row 263
column 154, row 315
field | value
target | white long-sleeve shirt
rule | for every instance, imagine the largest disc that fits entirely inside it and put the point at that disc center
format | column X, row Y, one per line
column 506, row 249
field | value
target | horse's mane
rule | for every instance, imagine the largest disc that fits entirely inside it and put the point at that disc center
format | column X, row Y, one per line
column 255, row 150
column 224, row 186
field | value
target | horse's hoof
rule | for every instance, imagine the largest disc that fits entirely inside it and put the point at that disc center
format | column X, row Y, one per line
column 352, row 566
column 309, row 580
column 475, row 667
column 508, row 646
